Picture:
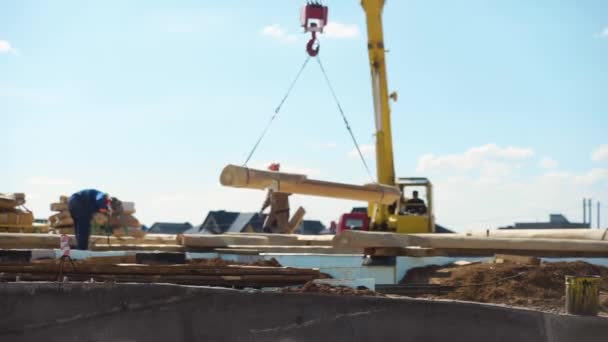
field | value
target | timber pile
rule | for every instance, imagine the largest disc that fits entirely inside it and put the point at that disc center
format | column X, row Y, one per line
column 125, row 224
column 380, row 243
column 186, row 274
column 14, row 217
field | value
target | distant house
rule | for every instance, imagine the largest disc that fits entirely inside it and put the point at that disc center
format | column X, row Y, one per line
column 555, row 221
column 169, row 228
column 221, row 221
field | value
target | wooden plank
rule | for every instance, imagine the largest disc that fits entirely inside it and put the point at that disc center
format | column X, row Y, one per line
column 183, row 269
column 17, row 228
column 222, row 240
column 351, row 238
column 574, row 234
column 59, row 206
column 214, row 280
column 29, row 241
column 467, row 242
column 273, row 239
column 114, row 259
column 8, row 201
column 300, row 249
column 464, row 252
column 296, row 219
column 136, row 247
column 457, row 241
column 17, row 217
column 292, row 239
column 128, row 207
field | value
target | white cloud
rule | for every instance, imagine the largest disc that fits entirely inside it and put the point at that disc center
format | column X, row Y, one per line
column 547, row 163
column 368, row 150
column 593, row 177
column 489, row 159
column 600, row 154
column 469, row 203
column 338, row 30
column 5, row 47
column 44, row 181
column 604, row 32
column 275, row 31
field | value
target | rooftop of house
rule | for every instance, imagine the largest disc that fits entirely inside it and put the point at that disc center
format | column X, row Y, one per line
column 169, row 228
column 556, row 221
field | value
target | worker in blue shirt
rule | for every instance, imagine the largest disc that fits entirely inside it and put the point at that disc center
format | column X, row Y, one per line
column 83, row 205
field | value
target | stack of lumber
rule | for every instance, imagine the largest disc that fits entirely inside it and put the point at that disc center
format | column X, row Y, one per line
column 185, row 274
column 382, row 243
column 14, row 217
column 62, row 220
column 125, row 224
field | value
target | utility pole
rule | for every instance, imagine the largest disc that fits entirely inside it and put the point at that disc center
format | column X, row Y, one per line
column 598, row 215
column 590, row 213
column 584, row 210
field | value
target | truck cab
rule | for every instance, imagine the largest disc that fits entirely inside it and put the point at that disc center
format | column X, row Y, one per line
column 405, row 216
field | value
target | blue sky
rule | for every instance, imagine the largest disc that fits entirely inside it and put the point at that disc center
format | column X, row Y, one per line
column 502, row 104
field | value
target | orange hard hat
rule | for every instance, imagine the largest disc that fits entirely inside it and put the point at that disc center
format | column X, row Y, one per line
column 274, row 166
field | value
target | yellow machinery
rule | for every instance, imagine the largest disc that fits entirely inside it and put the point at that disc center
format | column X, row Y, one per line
column 389, row 207
column 382, row 216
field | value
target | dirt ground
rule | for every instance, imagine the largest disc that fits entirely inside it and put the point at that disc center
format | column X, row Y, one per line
column 311, row 287
column 539, row 287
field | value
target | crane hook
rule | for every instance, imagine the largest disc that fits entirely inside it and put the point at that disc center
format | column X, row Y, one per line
column 310, row 46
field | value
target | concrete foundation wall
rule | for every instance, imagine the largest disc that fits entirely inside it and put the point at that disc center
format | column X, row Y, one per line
column 167, row 313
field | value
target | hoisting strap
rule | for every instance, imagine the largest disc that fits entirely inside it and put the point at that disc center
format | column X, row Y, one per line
column 333, row 93
column 276, row 111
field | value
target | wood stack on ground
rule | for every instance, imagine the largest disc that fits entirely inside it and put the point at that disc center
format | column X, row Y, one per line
column 209, row 274
column 14, row 217
column 124, row 225
column 61, row 221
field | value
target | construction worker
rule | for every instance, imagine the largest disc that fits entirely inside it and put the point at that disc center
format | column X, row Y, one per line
column 83, row 205
column 277, row 220
column 415, row 205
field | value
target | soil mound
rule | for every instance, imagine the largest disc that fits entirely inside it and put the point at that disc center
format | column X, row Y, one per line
column 534, row 286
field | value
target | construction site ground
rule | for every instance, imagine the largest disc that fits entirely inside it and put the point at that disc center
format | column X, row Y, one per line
column 540, row 287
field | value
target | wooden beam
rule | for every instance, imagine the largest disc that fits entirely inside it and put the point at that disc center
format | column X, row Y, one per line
column 574, row 234
column 59, row 206
column 242, row 177
column 296, row 219
column 222, row 240
column 453, row 242
column 180, row 269
column 136, row 247
column 298, row 249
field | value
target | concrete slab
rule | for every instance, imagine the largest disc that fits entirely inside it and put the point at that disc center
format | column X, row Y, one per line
column 72, row 312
